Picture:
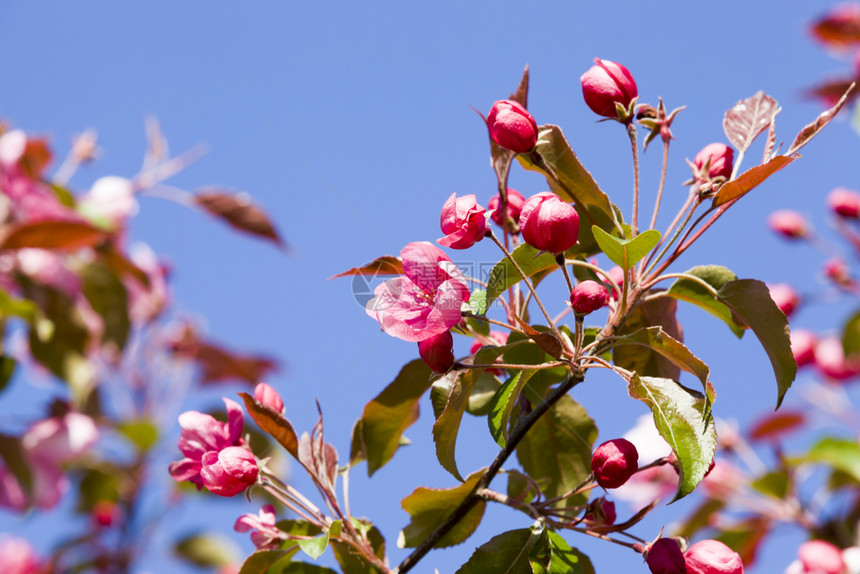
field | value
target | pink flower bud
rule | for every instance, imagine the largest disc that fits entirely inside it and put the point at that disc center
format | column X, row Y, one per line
column 785, row 297
column 588, row 296
column 601, row 511
column 462, row 222
column 514, row 207
column 549, row 224
column 820, row 557
column 512, row 126
column 803, row 347
column 230, row 471
column 844, row 202
column 269, row 397
column 617, row 275
column 438, row 351
column 831, row 361
column 718, row 157
column 614, row 462
column 499, row 338
column 713, row 557
column 605, row 84
column 105, row 513
column 790, row 224
column 665, row 557
column 837, row 271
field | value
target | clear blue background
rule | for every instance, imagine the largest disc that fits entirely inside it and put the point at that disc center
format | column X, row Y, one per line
column 351, row 124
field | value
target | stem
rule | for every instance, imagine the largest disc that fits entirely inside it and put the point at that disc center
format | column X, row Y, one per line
column 634, row 224
column 519, row 269
column 707, row 286
column 560, row 260
column 690, row 207
column 540, row 367
column 474, row 497
column 492, row 321
column 662, row 184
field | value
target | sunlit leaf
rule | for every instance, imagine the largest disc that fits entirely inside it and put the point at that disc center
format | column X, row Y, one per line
column 626, row 252
column 503, row 404
column 751, row 178
column 692, row 292
column 811, row 130
column 351, row 562
column 775, row 483
column 851, row 335
column 381, row 266
column 62, row 235
column 841, row 454
column 504, row 275
column 142, row 433
column 679, row 414
column 237, row 210
column 273, row 423
column 748, row 118
column 507, row 552
column 314, row 547
column 260, row 561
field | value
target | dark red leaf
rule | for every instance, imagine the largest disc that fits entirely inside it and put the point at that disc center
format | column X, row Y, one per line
column 65, row 235
column 545, row 340
column 811, row 130
column 748, row 118
column 522, row 93
column 237, row 210
column 830, row 91
column 273, row 423
column 777, row 424
column 217, row 363
column 385, row 265
column 751, row 178
column 839, row 28
column 37, row 156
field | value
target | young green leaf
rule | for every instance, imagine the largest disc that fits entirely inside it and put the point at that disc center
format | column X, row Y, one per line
column 679, row 414
column 503, row 404
column 352, row 562
column 430, row 507
column 504, row 275
column 260, row 561
column 626, row 252
column 660, row 312
column 841, row 454
column 477, row 303
column 109, row 299
column 207, row 550
column 506, row 553
column 692, row 292
column 567, row 560
column 314, row 547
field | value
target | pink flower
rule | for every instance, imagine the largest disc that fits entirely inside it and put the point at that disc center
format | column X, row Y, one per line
column 512, row 126
column 18, row 557
column 462, row 222
column 831, row 361
column 820, row 557
column 614, row 462
column 11, row 494
column 229, row 471
column 665, row 557
column 844, row 202
column 803, row 347
column 269, row 397
column 549, row 224
column 713, row 557
column 837, row 271
column 266, row 534
column 201, row 434
column 605, row 84
column 514, row 207
column 617, row 275
column 718, row 158
column 588, row 296
column 790, row 224
column 426, row 301
column 785, row 297
column 438, row 351
column 496, row 338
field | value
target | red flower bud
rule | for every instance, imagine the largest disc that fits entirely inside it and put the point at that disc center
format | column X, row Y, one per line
column 230, row 471
column 105, row 513
column 785, row 297
column 514, row 207
column 718, row 157
column 269, row 397
column 665, row 557
column 588, row 296
column 844, row 202
column 713, row 557
column 831, row 361
column 601, row 511
column 803, row 347
column 614, row 462
column 790, row 224
column 512, row 126
column 462, row 222
column 605, row 84
column 820, row 557
column 438, row 351
column 549, row 224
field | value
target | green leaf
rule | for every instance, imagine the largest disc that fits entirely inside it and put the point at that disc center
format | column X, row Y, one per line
column 143, row 433
column 305, row 568
column 447, row 425
column 273, row 423
column 851, row 335
column 567, row 560
column 839, row 454
column 477, row 303
column 750, row 299
column 96, row 485
column 507, row 553
column 207, row 550
column 109, row 299
column 14, row 307
column 482, row 394
column 556, row 452
column 775, row 483
column 658, row 312
column 658, row 340
column 504, row 275
column 314, row 547
column 626, row 252
column 260, row 561
column 350, row 561
column 679, row 414
column 692, row 292
column 750, row 179
column 386, row 417
column 428, row 508
column 503, row 404
column 701, row 517
column 7, row 369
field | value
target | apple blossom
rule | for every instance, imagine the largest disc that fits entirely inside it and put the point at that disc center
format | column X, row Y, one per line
column 605, row 84
column 614, row 462
column 229, row 471
column 712, row 557
column 438, row 351
column 512, row 126
column 588, row 296
column 463, row 222
column 18, row 557
column 269, row 397
column 266, row 534
column 803, row 347
column 549, row 224
column 514, row 207
column 665, row 557
column 820, row 557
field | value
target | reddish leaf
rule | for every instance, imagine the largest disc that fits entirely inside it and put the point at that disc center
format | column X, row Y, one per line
column 217, row 363
column 122, row 266
column 545, row 340
column 273, row 423
column 37, row 156
column 831, row 90
column 811, row 130
column 65, row 235
column 839, row 28
column 751, row 178
column 777, row 424
column 385, row 265
column 748, row 118
column 237, row 210
column 522, row 93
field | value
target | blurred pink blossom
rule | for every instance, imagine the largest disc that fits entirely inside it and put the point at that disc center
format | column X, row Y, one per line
column 266, row 534
column 17, row 556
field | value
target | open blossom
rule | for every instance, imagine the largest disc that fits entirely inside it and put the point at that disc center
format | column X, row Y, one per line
column 265, row 534
column 463, row 222
column 605, row 84
column 201, row 434
column 512, row 126
column 18, row 557
column 112, row 198
column 426, row 301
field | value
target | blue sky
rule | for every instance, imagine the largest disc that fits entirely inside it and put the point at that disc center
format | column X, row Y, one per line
column 351, row 123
